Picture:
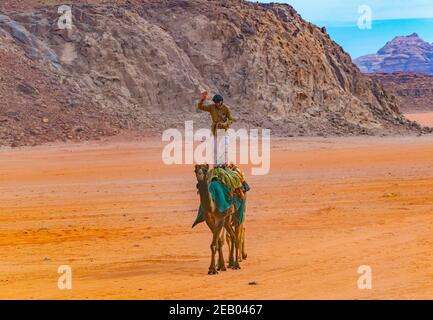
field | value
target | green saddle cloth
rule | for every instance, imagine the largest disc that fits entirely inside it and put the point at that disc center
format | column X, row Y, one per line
column 222, row 198
column 227, row 177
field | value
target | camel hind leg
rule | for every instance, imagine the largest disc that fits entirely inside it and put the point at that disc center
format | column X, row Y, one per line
column 243, row 253
column 228, row 240
column 231, row 240
column 236, row 244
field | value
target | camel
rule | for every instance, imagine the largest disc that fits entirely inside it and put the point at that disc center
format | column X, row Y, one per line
column 218, row 222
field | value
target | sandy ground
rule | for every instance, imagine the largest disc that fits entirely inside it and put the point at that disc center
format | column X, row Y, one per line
column 425, row 118
column 122, row 221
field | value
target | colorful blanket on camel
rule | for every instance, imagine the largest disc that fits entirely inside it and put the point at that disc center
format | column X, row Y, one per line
column 222, row 186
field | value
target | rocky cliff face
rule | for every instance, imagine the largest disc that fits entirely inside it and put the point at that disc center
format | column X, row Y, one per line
column 35, row 108
column 414, row 91
column 402, row 54
column 141, row 64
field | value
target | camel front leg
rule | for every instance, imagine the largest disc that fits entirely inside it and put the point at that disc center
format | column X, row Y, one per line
column 221, row 263
column 219, row 223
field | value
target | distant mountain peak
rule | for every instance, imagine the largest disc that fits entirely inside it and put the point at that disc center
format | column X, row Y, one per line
column 408, row 37
column 401, row 54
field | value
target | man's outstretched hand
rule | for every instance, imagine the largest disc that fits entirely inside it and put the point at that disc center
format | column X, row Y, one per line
column 203, row 96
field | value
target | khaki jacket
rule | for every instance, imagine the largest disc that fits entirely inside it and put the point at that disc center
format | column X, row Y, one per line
column 220, row 115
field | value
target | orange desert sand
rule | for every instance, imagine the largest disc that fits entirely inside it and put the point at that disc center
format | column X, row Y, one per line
column 425, row 119
column 122, row 220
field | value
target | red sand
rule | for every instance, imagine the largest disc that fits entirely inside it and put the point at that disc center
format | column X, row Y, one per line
column 425, row 119
column 122, row 221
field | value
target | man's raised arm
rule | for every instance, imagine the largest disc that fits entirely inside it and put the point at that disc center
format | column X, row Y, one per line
column 201, row 105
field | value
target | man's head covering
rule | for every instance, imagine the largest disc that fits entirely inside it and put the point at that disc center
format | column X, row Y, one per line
column 217, row 98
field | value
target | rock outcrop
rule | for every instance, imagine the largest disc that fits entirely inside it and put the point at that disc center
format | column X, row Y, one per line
column 414, row 91
column 139, row 65
column 402, row 54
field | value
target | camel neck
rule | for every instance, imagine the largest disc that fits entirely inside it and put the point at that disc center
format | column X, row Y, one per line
column 205, row 197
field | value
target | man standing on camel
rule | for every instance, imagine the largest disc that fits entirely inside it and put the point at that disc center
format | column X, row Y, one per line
column 221, row 122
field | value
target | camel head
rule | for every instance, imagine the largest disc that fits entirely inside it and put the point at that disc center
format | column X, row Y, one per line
column 201, row 171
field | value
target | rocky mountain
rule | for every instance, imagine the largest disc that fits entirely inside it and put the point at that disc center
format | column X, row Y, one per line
column 34, row 107
column 402, row 54
column 140, row 65
column 414, row 91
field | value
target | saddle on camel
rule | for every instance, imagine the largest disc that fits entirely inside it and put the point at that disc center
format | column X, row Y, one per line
column 222, row 193
column 227, row 187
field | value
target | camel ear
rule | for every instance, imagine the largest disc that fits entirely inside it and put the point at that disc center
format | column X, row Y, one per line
column 197, row 166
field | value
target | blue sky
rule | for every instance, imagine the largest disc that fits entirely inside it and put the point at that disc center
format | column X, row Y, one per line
column 390, row 18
